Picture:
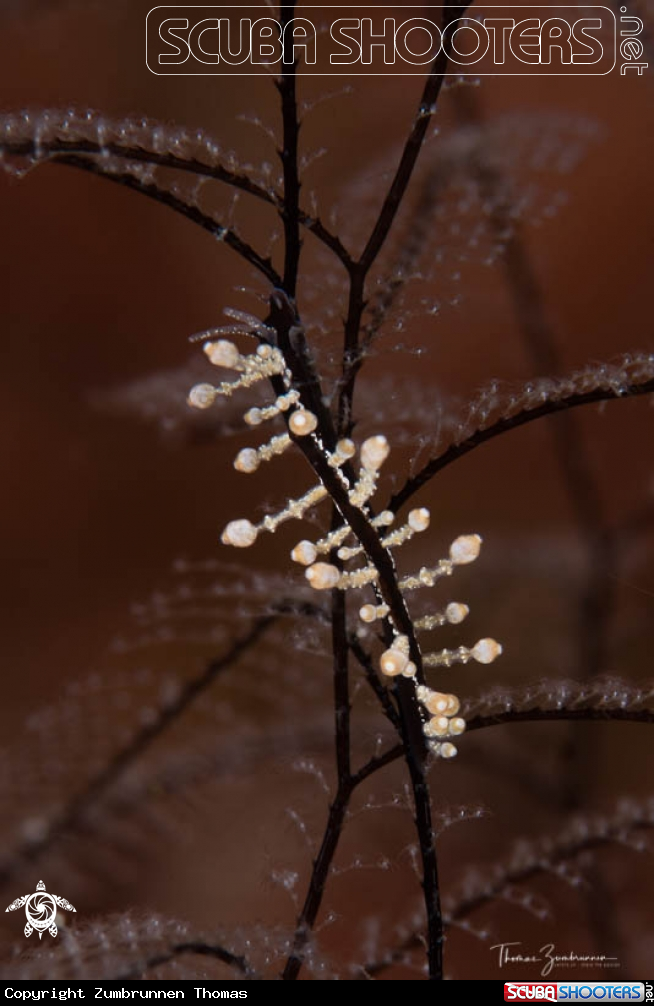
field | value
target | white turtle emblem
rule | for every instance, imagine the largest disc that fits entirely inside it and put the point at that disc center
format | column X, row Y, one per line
column 41, row 910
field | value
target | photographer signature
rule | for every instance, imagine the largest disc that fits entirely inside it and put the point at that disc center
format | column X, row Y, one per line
column 549, row 959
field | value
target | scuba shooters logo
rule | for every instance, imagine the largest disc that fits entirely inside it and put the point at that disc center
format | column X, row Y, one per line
column 574, row 991
column 41, row 910
column 541, row 40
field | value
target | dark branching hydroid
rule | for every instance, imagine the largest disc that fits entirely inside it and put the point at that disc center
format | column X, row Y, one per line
column 349, row 644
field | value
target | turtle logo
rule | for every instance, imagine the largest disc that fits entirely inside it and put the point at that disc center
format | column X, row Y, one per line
column 41, row 910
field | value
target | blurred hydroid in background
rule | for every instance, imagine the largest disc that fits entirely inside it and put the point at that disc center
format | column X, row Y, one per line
column 168, row 726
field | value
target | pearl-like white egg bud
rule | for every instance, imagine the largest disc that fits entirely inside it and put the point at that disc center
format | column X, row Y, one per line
column 485, row 651
column 345, row 448
column 457, row 726
column 323, row 576
column 223, row 353
column 240, row 533
column 374, row 452
column 302, row 422
column 368, row 613
column 438, row 726
column 418, row 520
column 393, row 662
column 465, row 549
column 452, row 705
column 455, row 612
column 253, row 417
column 441, row 703
column 201, row 396
column 247, row 460
column 304, row 552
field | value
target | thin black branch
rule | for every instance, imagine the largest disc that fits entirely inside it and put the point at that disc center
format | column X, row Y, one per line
column 383, row 562
column 53, row 149
column 584, row 835
column 319, row 875
column 282, row 317
column 503, row 425
column 59, row 151
column 372, row 677
column 323, row 863
column 410, row 716
column 545, row 863
column 347, row 782
column 426, row 840
column 378, row 762
column 291, row 340
column 497, row 719
column 359, row 270
column 183, row 949
column 544, row 715
column 139, row 744
column 318, row 229
column 417, row 232
column 193, row 213
column 290, row 208
column 340, row 651
column 413, row 145
column 290, row 336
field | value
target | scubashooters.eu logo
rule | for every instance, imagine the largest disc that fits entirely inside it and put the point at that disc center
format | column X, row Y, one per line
column 531, row 40
column 41, row 910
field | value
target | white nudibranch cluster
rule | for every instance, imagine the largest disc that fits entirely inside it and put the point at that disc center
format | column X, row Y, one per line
column 441, row 709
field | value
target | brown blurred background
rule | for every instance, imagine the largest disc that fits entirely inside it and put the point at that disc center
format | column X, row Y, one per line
column 101, row 290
